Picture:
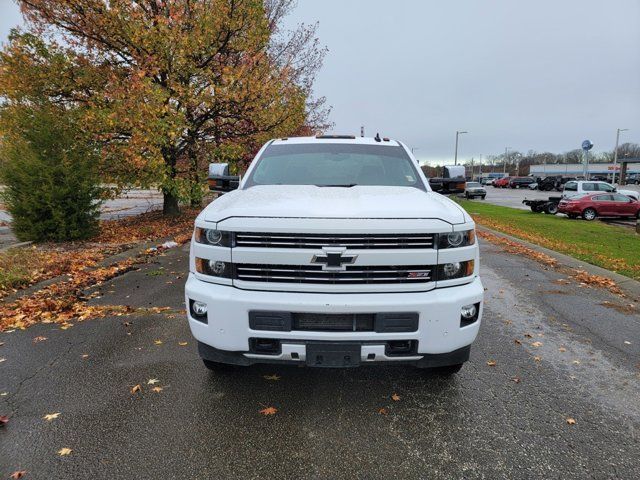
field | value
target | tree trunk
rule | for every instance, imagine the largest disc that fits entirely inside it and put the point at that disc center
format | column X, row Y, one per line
column 170, row 204
column 170, row 200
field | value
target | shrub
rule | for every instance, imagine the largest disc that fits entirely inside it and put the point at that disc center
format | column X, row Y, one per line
column 49, row 172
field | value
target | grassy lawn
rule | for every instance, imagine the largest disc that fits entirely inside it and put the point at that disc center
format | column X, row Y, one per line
column 608, row 246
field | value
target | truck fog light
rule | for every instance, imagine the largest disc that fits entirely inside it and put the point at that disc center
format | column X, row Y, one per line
column 199, row 309
column 217, row 267
column 468, row 312
column 451, row 270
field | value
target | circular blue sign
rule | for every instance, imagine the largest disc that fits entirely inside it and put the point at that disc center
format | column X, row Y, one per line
column 587, row 145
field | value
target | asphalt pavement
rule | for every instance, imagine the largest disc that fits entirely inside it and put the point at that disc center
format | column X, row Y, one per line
column 561, row 351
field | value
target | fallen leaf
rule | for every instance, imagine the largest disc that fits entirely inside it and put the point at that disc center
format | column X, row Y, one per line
column 136, row 388
column 528, row 335
column 158, row 342
column 536, row 344
column 269, row 411
column 17, row 474
column 3, row 360
column 4, row 419
column 152, row 381
column 273, row 377
column 537, row 359
column 383, row 411
column 492, row 363
column 517, row 342
column 183, row 344
column 64, row 451
column 4, row 394
column 562, row 349
column 39, row 339
column 85, row 355
column 571, row 421
column 515, row 380
column 395, row 397
column 51, row 416
column 64, row 326
column 156, row 389
column 576, row 362
column 627, row 342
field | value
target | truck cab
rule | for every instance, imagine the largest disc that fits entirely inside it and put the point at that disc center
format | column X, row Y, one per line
column 333, row 252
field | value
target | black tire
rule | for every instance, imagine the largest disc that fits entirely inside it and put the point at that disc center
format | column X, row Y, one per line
column 483, row 197
column 536, row 209
column 466, row 196
column 447, row 371
column 589, row 214
column 572, row 216
column 551, row 208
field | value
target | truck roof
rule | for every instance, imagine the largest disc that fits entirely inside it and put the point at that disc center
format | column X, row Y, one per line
column 346, row 139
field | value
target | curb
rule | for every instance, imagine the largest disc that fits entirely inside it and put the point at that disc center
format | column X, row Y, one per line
column 630, row 286
column 15, row 245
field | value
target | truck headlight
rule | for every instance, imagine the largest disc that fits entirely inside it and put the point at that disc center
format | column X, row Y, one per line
column 211, row 236
column 214, row 268
column 450, row 271
column 457, row 239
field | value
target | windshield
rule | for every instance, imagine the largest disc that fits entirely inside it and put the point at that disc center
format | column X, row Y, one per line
column 473, row 184
column 335, row 165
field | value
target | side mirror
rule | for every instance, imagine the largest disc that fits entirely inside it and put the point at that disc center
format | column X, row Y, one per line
column 219, row 179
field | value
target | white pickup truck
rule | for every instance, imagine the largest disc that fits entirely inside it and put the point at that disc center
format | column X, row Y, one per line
column 333, row 251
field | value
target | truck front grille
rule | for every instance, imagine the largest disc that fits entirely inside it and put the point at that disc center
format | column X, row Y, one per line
column 307, row 240
column 354, row 274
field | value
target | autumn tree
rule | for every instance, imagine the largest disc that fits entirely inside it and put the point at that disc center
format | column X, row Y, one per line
column 168, row 84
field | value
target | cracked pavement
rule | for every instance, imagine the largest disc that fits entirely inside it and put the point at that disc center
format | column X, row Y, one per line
column 502, row 421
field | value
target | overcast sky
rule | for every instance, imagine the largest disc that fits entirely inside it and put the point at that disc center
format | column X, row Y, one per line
column 541, row 75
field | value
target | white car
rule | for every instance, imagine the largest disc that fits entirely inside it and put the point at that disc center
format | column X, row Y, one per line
column 333, row 252
column 576, row 187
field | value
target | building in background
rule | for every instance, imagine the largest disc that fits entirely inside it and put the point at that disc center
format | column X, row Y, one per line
column 576, row 169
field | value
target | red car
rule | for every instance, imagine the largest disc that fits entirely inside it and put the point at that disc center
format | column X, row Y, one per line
column 592, row 205
column 502, row 182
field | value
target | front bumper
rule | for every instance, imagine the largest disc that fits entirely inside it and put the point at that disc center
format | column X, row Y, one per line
column 227, row 329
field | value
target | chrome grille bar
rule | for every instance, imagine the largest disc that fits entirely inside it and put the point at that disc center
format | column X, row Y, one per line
column 314, row 274
column 374, row 241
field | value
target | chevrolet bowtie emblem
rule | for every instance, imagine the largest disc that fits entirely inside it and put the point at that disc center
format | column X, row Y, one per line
column 334, row 259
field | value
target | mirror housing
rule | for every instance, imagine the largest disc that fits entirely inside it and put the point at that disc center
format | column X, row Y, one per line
column 219, row 179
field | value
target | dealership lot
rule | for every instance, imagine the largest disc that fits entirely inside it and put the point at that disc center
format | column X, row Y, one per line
column 561, row 351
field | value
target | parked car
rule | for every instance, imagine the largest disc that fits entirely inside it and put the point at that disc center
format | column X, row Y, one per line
column 474, row 189
column 517, row 182
column 592, row 205
column 306, row 261
column 487, row 181
column 575, row 187
column 502, row 182
column 633, row 179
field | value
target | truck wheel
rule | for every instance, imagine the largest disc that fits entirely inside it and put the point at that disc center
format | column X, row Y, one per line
column 536, row 209
column 589, row 214
column 551, row 208
column 466, row 195
column 483, row 197
column 447, row 371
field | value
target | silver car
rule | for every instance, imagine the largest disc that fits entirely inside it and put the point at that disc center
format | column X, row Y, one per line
column 474, row 189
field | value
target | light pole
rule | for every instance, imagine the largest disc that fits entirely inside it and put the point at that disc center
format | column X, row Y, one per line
column 455, row 158
column 615, row 153
column 504, row 164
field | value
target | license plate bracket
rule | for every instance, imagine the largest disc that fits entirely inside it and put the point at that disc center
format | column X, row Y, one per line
column 333, row 355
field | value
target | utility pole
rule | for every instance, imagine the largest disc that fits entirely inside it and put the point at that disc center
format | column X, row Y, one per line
column 455, row 157
column 504, row 164
column 362, row 131
column 615, row 153
column 480, row 167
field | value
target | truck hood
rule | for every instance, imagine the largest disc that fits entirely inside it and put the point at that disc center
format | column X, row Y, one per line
column 309, row 201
